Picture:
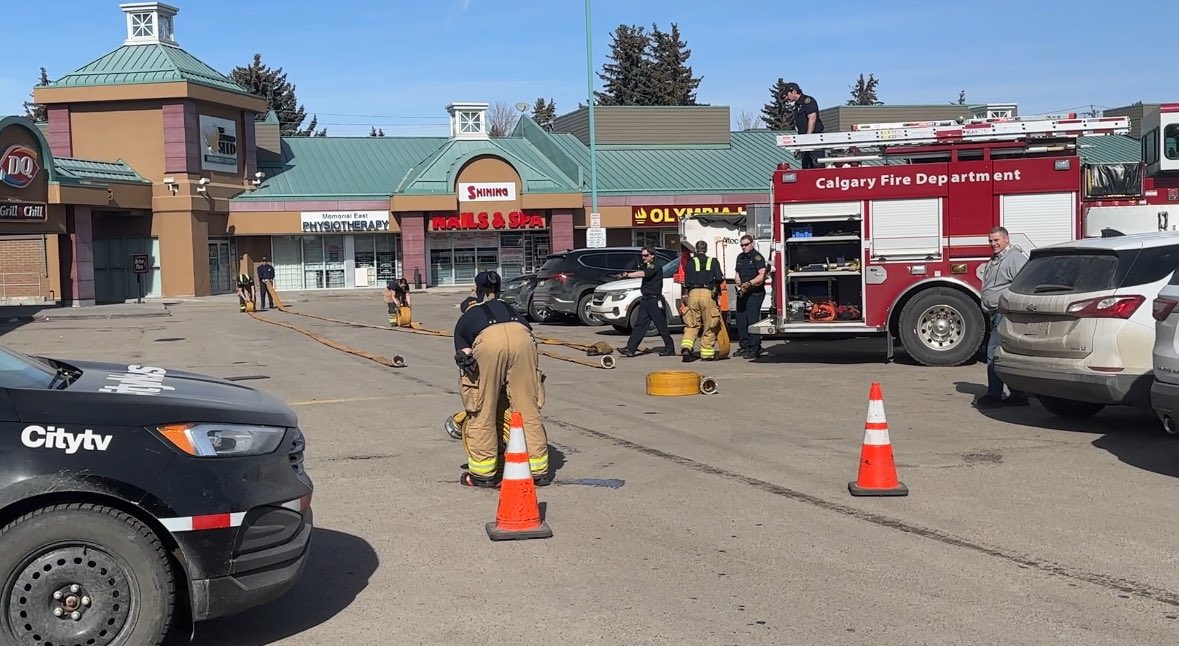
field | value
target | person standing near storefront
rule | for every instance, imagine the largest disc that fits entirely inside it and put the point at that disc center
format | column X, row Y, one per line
column 751, row 293
column 650, row 306
column 702, row 279
column 495, row 351
column 266, row 280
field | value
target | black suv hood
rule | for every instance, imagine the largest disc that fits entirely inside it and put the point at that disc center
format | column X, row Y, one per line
column 138, row 395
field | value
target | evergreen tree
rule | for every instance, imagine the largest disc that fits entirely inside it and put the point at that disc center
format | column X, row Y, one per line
column 544, row 113
column 33, row 110
column 272, row 84
column 778, row 113
column 863, row 91
column 376, row 133
column 672, row 82
column 627, row 80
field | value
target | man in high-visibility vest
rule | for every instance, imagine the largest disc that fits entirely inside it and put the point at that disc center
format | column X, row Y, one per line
column 702, row 279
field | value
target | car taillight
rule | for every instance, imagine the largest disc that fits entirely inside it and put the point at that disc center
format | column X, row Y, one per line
column 561, row 278
column 1108, row 307
column 1163, row 308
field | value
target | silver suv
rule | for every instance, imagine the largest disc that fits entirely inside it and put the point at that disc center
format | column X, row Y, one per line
column 1164, row 391
column 1077, row 330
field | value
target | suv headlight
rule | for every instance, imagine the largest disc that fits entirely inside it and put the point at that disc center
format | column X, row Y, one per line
column 223, row 440
column 617, row 295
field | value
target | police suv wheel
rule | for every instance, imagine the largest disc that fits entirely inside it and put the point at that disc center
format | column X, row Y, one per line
column 941, row 326
column 84, row 574
column 634, row 322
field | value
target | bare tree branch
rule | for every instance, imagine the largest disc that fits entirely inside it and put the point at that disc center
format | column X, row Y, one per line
column 748, row 120
column 501, row 118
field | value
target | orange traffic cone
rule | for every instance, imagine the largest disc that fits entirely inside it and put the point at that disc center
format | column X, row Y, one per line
column 518, row 515
column 878, row 472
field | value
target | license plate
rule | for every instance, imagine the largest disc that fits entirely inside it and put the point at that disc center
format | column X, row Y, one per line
column 1036, row 329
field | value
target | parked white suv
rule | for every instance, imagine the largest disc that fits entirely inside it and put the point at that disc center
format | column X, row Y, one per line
column 1077, row 328
column 614, row 302
column 1164, row 391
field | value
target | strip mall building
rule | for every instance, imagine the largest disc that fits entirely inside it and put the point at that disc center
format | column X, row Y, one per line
column 154, row 169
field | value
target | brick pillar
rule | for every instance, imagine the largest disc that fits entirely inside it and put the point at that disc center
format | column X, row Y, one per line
column 77, row 257
column 60, row 140
column 561, row 230
column 413, row 247
column 249, row 145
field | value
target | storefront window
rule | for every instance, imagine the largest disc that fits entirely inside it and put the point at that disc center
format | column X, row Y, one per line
column 377, row 259
column 664, row 239
column 455, row 258
column 308, row 262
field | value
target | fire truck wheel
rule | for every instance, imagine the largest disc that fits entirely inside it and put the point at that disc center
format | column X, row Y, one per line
column 941, row 326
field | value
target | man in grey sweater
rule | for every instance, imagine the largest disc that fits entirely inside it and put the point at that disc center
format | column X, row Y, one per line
column 1006, row 261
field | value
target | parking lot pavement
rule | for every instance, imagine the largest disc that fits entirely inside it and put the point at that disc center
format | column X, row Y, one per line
column 718, row 519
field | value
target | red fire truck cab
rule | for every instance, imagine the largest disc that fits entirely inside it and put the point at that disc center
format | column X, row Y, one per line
column 889, row 237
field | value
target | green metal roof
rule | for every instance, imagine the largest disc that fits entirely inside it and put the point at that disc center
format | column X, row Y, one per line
column 362, row 168
column 1111, row 149
column 78, row 171
column 746, row 165
column 436, row 174
column 148, row 63
column 82, row 171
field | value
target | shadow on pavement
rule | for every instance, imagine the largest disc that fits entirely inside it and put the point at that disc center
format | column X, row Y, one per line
column 338, row 569
column 1132, row 435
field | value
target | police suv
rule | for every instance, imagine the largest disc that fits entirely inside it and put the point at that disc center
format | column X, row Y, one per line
column 132, row 496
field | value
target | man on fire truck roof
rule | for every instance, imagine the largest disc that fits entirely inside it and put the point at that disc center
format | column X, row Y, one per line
column 806, row 120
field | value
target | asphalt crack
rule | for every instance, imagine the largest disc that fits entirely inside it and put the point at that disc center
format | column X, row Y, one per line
column 1118, row 584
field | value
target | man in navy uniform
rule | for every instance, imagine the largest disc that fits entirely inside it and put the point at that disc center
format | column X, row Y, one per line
column 806, row 120
column 751, row 293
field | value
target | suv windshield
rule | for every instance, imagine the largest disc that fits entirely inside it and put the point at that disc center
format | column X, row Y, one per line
column 1067, row 272
column 1074, row 271
column 670, row 267
column 20, row 371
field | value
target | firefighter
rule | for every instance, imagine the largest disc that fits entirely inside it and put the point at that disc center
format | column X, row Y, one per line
column 495, row 351
column 702, row 279
column 751, row 293
column 651, row 307
column 806, row 120
column 245, row 291
column 394, row 300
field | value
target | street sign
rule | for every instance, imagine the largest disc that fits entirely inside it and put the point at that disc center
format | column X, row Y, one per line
column 140, row 265
column 595, row 220
column 595, row 237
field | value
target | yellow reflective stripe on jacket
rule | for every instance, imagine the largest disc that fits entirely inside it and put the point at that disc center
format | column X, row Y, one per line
column 481, row 467
column 707, row 265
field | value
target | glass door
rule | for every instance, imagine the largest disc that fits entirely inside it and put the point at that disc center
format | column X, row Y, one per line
column 221, row 274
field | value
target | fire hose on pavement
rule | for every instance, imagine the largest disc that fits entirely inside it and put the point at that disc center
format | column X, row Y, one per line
column 605, row 358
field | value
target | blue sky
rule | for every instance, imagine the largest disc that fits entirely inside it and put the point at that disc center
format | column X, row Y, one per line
column 396, row 64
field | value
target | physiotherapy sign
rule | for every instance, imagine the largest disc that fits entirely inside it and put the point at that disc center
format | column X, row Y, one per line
column 344, row 221
column 669, row 216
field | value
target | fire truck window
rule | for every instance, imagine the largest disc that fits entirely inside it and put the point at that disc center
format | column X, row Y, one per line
column 1171, row 141
column 1066, row 274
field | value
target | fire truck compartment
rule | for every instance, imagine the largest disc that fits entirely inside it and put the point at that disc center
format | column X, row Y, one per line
column 824, row 281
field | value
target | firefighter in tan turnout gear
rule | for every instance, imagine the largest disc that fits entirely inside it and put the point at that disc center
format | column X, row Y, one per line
column 496, row 352
column 702, row 279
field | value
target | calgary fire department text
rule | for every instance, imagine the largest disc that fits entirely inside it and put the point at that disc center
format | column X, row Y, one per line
column 845, row 184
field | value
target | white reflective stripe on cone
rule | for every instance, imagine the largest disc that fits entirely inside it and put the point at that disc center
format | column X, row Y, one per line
column 517, row 470
column 876, row 437
column 516, row 442
column 875, row 411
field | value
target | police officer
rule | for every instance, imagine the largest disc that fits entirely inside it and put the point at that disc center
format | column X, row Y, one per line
column 806, row 120
column 702, row 279
column 650, row 306
column 751, row 293
column 496, row 352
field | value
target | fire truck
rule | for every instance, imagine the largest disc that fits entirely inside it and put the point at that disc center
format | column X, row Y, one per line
column 888, row 236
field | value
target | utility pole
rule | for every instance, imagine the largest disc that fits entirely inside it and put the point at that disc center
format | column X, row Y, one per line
column 589, row 69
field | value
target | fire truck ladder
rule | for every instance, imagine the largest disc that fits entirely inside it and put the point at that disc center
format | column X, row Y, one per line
column 885, row 135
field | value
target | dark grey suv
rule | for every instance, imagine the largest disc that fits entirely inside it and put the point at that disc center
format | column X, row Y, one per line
column 565, row 283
